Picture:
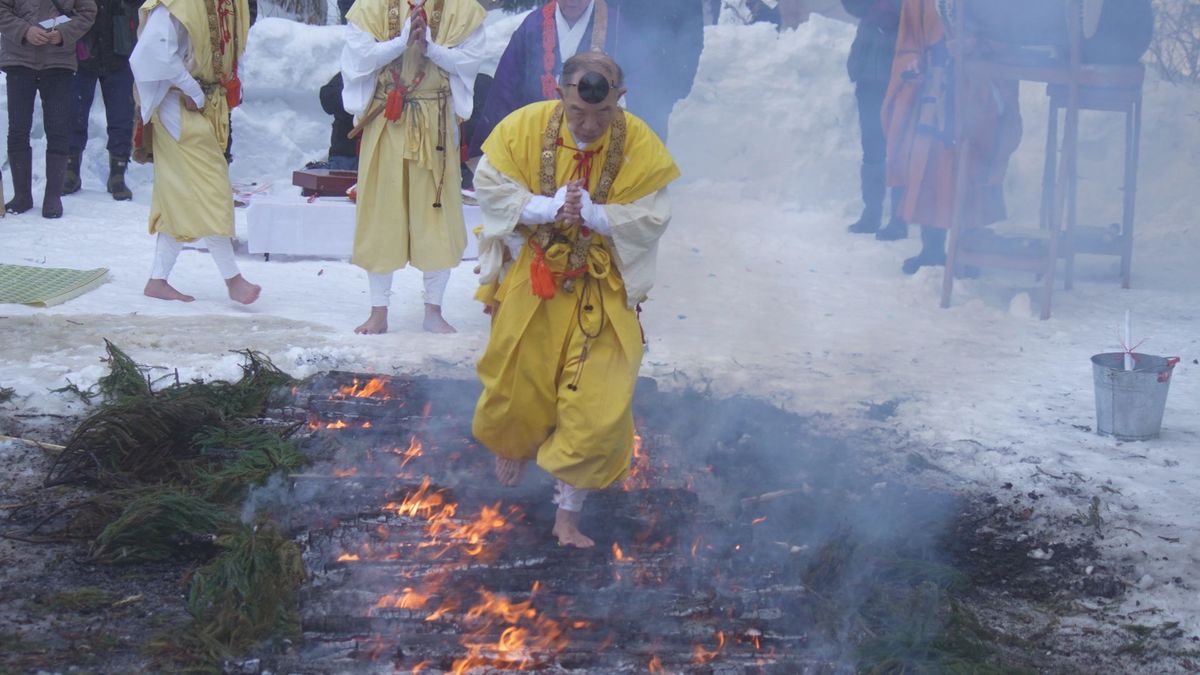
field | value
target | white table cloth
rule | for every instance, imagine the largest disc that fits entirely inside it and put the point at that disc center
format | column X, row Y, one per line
column 289, row 224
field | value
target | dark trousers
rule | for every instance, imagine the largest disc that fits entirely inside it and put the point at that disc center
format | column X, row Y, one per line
column 54, row 86
column 117, row 89
column 869, row 95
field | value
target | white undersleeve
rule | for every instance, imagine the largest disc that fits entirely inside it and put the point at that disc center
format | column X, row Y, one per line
column 568, row 497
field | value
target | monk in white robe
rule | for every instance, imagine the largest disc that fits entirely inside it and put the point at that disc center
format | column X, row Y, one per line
column 185, row 74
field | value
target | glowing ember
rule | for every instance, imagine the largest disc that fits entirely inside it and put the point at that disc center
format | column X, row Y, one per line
column 345, row 473
column 348, row 557
column 655, row 666
column 758, row 520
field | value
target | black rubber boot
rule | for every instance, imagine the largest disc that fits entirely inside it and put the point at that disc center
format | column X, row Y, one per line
column 933, row 250
column 71, row 181
column 20, row 163
column 56, row 170
column 116, row 178
column 871, row 177
column 896, row 228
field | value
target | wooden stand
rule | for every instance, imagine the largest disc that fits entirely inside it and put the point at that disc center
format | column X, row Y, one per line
column 1031, row 249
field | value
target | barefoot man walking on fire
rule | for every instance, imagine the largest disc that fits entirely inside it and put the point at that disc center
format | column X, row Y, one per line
column 575, row 191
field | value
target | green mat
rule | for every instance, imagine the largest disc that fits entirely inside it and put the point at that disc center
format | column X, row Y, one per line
column 46, row 286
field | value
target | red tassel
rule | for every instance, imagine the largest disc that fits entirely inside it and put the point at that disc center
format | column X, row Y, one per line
column 541, row 279
column 233, row 91
column 395, row 105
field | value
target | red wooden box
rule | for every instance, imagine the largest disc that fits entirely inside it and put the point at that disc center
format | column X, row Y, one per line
column 324, row 182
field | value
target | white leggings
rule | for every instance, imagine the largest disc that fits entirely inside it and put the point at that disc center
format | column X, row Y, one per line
column 435, row 287
column 568, row 497
column 167, row 248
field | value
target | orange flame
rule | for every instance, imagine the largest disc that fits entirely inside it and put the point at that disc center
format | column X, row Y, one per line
column 340, row 424
column 526, row 639
column 372, row 387
column 640, row 468
column 619, row 555
column 413, row 451
column 655, row 665
column 345, row 473
column 409, row 599
column 700, row 655
column 348, row 557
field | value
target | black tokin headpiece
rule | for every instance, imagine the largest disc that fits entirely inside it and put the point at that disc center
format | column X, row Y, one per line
column 593, row 87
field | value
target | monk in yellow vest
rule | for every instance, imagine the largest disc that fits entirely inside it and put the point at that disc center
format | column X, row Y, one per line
column 574, row 201
column 185, row 73
column 409, row 70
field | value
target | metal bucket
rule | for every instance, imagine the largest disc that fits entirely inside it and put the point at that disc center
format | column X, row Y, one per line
column 1130, row 403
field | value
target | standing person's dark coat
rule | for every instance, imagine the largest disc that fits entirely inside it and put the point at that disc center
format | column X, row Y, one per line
column 108, row 46
column 659, row 48
column 40, row 62
column 870, row 68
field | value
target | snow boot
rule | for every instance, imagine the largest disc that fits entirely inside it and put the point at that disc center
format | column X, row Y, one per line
column 896, row 228
column 871, row 178
column 56, row 169
column 116, row 178
column 20, row 163
column 933, row 250
column 71, row 181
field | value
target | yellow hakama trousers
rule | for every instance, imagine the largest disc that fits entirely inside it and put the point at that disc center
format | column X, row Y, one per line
column 192, row 196
column 541, row 400
column 397, row 223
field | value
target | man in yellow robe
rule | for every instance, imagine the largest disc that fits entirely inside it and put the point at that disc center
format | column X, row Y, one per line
column 575, row 191
column 409, row 71
column 185, row 74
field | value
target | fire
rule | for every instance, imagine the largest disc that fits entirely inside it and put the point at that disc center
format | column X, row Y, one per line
column 756, row 521
column 421, row 504
column 527, row 639
column 655, row 665
column 409, row 599
column 345, row 473
column 372, row 387
column 700, row 655
column 413, row 451
column 640, row 468
column 619, row 555
column 340, row 424
column 470, row 536
column 348, row 557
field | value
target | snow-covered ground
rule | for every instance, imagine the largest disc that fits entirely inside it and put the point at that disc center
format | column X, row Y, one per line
column 761, row 290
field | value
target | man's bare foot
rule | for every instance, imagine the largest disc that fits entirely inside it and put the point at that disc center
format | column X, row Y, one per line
column 566, row 528
column 376, row 324
column 509, row 471
column 241, row 290
column 159, row 288
column 434, row 322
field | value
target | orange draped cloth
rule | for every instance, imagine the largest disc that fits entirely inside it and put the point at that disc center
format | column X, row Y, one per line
column 918, row 120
